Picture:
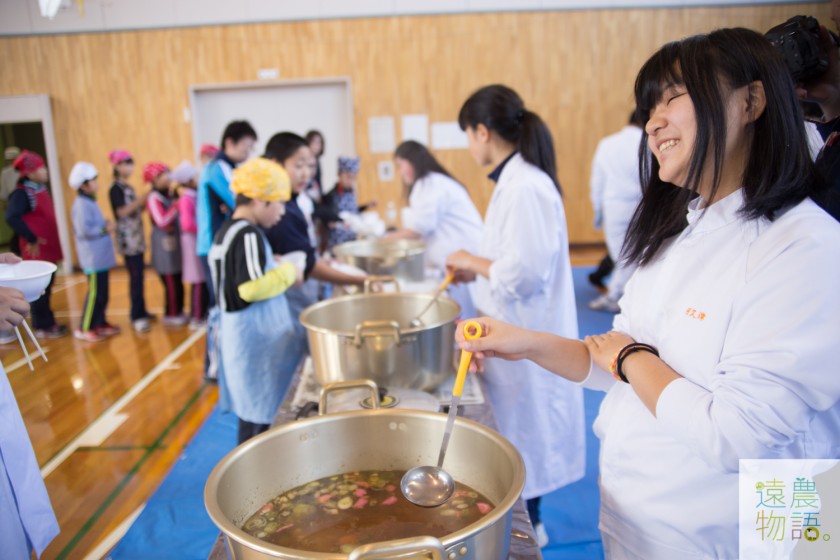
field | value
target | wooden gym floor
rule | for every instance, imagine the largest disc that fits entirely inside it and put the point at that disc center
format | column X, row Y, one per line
column 109, row 419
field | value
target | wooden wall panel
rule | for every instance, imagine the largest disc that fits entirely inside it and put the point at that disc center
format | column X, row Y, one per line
column 575, row 68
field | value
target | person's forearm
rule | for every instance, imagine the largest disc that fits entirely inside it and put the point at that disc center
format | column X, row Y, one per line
column 568, row 358
column 649, row 376
column 130, row 208
column 271, row 284
column 480, row 265
column 19, row 226
column 325, row 273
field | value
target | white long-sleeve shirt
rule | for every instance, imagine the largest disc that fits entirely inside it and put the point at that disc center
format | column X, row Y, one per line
column 615, row 169
column 748, row 312
column 441, row 211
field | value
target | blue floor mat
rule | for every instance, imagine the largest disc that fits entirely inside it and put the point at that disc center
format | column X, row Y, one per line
column 175, row 525
column 570, row 514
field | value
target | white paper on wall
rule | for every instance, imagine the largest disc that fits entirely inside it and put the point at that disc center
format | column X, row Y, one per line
column 416, row 127
column 381, row 134
column 448, row 136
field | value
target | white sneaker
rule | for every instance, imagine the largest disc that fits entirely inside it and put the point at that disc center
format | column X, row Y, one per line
column 141, row 325
column 604, row 303
column 542, row 535
column 174, row 320
column 7, row 336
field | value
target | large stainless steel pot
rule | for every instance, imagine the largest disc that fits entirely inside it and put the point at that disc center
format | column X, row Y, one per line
column 403, row 258
column 368, row 336
column 297, row 453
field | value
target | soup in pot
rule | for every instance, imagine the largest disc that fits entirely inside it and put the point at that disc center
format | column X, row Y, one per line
column 339, row 513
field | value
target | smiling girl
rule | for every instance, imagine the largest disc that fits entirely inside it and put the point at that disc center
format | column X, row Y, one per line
column 725, row 344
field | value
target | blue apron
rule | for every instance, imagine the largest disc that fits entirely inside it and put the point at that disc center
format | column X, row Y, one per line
column 260, row 352
column 301, row 297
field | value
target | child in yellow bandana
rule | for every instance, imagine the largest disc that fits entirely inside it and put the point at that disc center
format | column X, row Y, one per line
column 259, row 350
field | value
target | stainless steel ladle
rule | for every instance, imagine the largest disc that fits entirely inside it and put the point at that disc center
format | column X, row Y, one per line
column 430, row 486
column 416, row 322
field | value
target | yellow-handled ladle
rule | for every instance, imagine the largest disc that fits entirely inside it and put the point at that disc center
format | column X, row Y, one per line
column 430, row 486
column 416, row 322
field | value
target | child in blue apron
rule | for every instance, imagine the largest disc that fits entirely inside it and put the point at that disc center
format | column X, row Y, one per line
column 258, row 346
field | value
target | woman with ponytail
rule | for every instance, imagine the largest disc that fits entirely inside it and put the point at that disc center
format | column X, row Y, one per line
column 523, row 276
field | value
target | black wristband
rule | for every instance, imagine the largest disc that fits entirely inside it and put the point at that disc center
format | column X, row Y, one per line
column 626, row 351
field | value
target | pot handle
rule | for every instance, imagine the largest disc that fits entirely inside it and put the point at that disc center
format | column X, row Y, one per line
column 401, row 547
column 367, row 329
column 369, row 280
column 352, row 384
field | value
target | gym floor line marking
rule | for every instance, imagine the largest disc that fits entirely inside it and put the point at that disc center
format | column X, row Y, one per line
column 111, row 540
column 106, row 415
column 127, row 478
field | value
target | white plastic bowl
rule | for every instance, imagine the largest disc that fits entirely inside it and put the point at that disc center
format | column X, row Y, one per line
column 30, row 277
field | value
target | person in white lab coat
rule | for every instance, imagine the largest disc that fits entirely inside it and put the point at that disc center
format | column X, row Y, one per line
column 27, row 521
column 523, row 276
column 440, row 212
column 616, row 192
column 735, row 302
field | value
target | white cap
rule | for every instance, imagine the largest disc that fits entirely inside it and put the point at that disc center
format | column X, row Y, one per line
column 81, row 172
column 183, row 173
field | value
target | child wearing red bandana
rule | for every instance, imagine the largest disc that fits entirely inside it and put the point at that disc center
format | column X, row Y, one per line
column 32, row 215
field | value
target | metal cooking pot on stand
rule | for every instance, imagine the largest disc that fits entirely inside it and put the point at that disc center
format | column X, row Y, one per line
column 379, row 439
column 403, row 258
column 369, row 336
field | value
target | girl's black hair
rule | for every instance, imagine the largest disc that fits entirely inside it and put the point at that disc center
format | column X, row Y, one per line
column 501, row 110
column 421, row 159
column 312, row 134
column 116, row 173
column 779, row 171
column 283, row 145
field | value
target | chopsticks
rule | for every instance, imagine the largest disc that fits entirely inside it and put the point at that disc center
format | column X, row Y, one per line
column 23, row 346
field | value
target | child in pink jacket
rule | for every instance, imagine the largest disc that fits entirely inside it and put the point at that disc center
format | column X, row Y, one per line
column 193, row 274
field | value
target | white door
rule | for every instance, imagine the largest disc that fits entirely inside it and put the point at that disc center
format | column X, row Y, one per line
column 279, row 106
column 36, row 108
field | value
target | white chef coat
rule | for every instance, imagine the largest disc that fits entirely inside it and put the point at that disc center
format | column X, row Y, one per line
column 441, row 211
column 616, row 192
column 27, row 520
column 747, row 312
column 530, row 285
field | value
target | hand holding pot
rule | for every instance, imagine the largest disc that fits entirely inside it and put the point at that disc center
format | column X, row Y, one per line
column 498, row 340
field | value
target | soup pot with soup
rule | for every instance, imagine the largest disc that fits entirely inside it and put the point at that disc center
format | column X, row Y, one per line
column 333, row 464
